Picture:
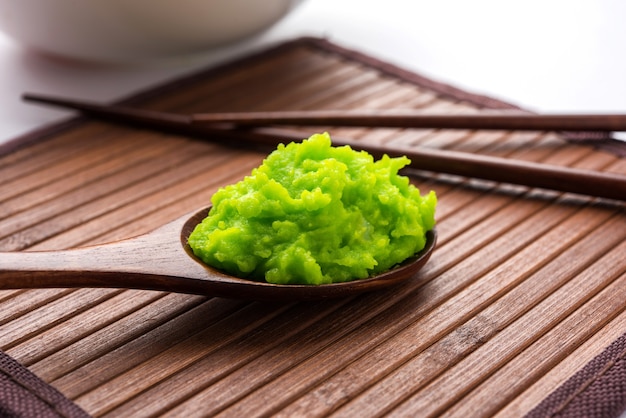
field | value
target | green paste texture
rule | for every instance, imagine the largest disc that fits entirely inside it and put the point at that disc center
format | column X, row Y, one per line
column 315, row 214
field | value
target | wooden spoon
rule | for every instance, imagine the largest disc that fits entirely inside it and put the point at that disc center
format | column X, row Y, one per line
column 162, row 260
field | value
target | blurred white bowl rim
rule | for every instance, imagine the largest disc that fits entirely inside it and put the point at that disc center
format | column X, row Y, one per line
column 136, row 30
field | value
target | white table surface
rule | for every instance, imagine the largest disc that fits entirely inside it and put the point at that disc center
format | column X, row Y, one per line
column 548, row 56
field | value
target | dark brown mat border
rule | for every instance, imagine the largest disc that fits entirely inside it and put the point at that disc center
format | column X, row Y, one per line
column 597, row 390
column 22, row 394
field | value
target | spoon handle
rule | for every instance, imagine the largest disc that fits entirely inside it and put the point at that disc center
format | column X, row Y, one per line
column 134, row 263
column 84, row 267
column 154, row 261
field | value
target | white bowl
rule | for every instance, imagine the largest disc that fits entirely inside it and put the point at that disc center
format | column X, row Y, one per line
column 136, row 30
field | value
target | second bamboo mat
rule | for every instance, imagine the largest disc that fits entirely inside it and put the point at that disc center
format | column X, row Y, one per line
column 525, row 287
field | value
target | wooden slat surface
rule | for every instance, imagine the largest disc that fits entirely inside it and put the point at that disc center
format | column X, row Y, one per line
column 525, row 287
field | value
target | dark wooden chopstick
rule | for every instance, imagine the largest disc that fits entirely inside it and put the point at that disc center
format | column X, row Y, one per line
column 593, row 183
column 125, row 113
column 416, row 119
column 398, row 119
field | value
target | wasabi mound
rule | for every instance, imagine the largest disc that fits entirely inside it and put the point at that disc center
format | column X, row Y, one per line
column 315, row 214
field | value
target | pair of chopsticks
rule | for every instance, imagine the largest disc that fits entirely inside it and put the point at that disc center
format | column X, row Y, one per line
column 229, row 127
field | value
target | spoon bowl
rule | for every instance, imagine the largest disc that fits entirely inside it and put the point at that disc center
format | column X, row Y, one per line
column 162, row 260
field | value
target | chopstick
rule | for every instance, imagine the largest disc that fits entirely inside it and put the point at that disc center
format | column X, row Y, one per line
column 416, row 119
column 587, row 182
column 391, row 119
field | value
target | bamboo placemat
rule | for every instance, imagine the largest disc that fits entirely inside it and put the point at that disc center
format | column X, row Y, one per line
column 525, row 287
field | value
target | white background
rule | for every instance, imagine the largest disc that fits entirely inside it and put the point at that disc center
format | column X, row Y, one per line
column 546, row 55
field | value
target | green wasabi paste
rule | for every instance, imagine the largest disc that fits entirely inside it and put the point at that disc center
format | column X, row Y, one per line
column 315, row 214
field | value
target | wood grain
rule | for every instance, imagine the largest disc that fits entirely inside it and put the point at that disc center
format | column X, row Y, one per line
column 525, row 287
